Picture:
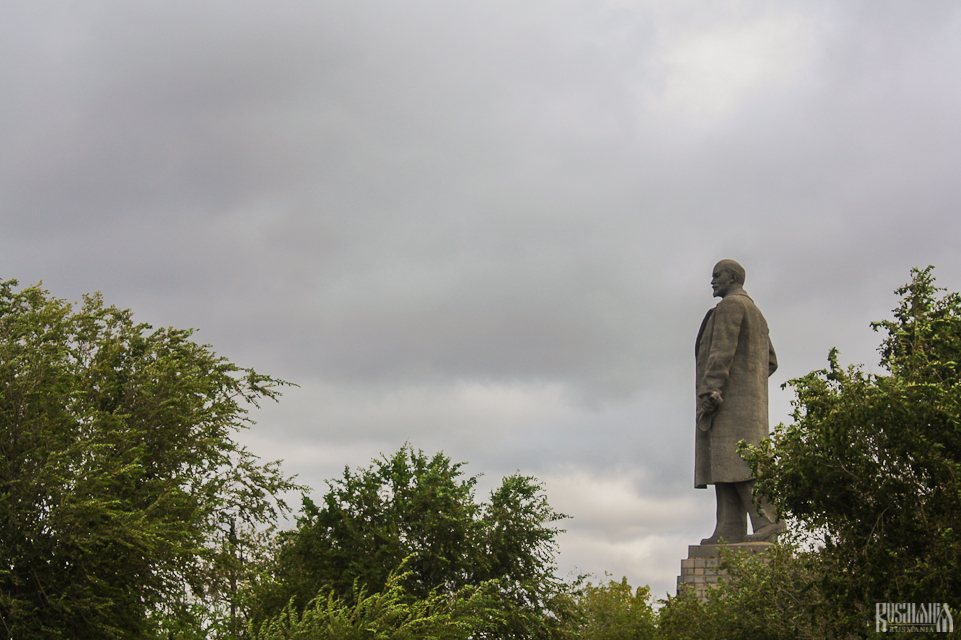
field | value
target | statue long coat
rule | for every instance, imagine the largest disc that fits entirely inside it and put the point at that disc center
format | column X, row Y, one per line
column 734, row 357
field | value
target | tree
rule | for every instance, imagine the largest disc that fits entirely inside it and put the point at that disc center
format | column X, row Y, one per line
column 614, row 611
column 871, row 465
column 123, row 497
column 419, row 512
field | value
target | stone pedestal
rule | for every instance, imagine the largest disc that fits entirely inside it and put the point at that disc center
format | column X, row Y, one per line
column 700, row 569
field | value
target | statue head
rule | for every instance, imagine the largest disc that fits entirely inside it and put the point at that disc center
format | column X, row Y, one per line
column 728, row 276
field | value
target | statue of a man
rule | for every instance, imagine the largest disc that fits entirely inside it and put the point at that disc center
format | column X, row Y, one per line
column 734, row 358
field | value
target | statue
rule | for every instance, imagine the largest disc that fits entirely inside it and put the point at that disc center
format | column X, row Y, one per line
column 734, row 358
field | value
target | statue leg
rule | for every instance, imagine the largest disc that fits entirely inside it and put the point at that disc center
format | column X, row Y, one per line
column 763, row 521
column 731, row 515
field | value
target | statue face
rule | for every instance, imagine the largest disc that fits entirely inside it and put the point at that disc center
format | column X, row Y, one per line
column 721, row 282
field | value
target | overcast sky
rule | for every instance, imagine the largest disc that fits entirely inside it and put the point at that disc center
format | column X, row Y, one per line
column 488, row 227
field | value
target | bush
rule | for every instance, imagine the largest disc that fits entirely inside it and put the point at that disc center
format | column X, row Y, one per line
column 613, row 611
column 773, row 596
column 386, row 615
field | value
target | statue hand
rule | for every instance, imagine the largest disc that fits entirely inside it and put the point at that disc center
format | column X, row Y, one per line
column 709, row 403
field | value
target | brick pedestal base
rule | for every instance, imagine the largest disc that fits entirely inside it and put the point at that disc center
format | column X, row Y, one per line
column 700, row 569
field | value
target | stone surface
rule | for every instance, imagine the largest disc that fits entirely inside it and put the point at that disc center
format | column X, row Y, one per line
column 702, row 551
column 700, row 568
column 734, row 358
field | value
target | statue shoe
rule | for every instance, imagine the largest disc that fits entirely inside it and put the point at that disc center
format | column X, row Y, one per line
column 767, row 533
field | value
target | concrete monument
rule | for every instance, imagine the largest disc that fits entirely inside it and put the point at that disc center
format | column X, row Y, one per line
column 734, row 358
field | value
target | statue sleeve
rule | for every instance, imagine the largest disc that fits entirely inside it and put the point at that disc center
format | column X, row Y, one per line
column 727, row 328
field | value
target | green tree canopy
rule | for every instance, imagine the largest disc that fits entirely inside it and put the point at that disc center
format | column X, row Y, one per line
column 120, row 483
column 871, row 465
column 419, row 512
column 614, row 611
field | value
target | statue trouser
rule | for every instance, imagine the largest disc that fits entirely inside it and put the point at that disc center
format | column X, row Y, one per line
column 735, row 502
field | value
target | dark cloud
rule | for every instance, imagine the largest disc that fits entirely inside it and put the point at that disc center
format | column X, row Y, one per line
column 486, row 227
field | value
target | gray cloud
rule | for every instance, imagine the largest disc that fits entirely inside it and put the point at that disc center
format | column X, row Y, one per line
column 487, row 227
